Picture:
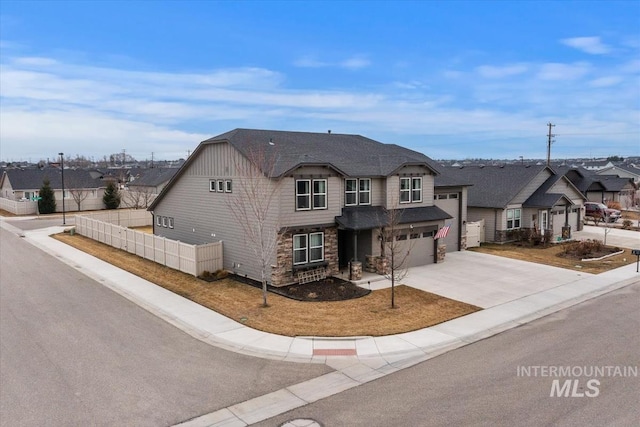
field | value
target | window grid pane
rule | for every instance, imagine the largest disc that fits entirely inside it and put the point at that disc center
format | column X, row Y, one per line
column 365, row 191
column 303, row 194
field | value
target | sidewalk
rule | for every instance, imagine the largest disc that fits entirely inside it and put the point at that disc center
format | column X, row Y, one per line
column 356, row 359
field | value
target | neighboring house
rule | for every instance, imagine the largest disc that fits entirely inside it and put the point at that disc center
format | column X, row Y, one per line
column 622, row 171
column 333, row 192
column 595, row 165
column 451, row 195
column 145, row 185
column 80, row 187
column 601, row 188
column 516, row 198
column 151, row 180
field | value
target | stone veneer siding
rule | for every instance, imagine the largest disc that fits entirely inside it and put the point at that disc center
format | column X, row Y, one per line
column 282, row 273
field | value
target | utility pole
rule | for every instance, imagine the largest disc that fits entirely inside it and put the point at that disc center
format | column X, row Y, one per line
column 549, row 142
column 124, row 157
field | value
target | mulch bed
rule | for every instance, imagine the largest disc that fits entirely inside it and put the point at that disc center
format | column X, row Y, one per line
column 329, row 289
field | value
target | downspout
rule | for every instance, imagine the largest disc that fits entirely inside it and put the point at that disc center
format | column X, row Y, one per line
column 460, row 221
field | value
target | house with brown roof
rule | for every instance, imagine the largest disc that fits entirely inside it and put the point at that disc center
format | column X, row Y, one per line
column 334, row 193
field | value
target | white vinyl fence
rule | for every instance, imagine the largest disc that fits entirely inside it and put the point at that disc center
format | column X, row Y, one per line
column 19, row 207
column 191, row 259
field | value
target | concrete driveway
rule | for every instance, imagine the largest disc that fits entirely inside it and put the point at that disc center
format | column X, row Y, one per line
column 615, row 236
column 487, row 280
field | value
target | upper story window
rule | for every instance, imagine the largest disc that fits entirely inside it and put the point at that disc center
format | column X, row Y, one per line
column 357, row 191
column 311, row 194
column 411, row 190
column 212, row 185
column 513, row 218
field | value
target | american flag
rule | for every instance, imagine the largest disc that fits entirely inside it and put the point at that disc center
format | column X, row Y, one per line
column 442, row 233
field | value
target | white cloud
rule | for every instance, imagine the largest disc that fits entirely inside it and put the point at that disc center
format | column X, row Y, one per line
column 559, row 71
column 96, row 110
column 493, row 72
column 353, row 63
column 605, row 81
column 309, row 62
column 591, row 45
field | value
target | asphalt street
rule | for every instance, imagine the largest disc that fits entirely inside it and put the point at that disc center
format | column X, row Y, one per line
column 73, row 352
column 479, row 384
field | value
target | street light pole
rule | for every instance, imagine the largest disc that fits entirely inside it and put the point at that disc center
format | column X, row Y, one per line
column 64, row 221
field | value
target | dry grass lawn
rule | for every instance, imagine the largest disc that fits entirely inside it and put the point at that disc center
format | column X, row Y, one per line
column 549, row 256
column 367, row 316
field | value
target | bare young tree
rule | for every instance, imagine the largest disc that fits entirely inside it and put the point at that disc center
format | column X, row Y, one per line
column 395, row 246
column 76, row 187
column 255, row 195
column 137, row 197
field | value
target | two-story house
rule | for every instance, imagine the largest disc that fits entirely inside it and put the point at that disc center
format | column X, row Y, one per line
column 333, row 194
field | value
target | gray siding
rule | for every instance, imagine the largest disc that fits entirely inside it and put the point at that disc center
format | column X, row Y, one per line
column 531, row 187
column 489, row 215
column 392, row 190
column 201, row 216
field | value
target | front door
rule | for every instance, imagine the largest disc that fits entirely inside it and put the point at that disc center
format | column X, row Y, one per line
column 544, row 221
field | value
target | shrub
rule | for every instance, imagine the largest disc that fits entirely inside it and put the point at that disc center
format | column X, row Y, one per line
column 583, row 248
column 627, row 224
column 614, row 205
column 111, row 196
column 47, row 202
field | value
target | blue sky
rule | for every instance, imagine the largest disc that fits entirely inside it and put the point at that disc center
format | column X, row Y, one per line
column 450, row 79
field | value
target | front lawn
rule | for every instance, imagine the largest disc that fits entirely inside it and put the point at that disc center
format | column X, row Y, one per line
column 557, row 255
column 369, row 315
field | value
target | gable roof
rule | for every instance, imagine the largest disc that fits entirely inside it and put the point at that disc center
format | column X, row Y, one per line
column 33, row 179
column 541, row 198
column 587, row 180
column 352, row 155
column 349, row 155
column 496, row 186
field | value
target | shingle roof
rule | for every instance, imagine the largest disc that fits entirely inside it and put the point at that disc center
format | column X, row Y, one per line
column 33, row 179
column 369, row 217
column 352, row 155
column 153, row 177
column 495, row 186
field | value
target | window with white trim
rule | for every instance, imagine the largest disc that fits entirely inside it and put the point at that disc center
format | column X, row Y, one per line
column 311, row 194
column 164, row 221
column 416, row 190
column 158, row 220
column 514, row 217
column 170, row 222
column 220, row 186
column 227, row 186
column 364, row 191
column 319, row 194
column 350, row 192
column 316, row 247
column 357, row 191
column 303, row 194
column 411, row 190
column 308, row 248
column 300, row 249
column 212, row 185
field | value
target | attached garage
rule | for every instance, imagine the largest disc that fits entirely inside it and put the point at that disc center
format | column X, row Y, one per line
column 420, row 245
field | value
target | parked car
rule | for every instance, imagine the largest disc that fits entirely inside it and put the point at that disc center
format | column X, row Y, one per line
column 600, row 210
